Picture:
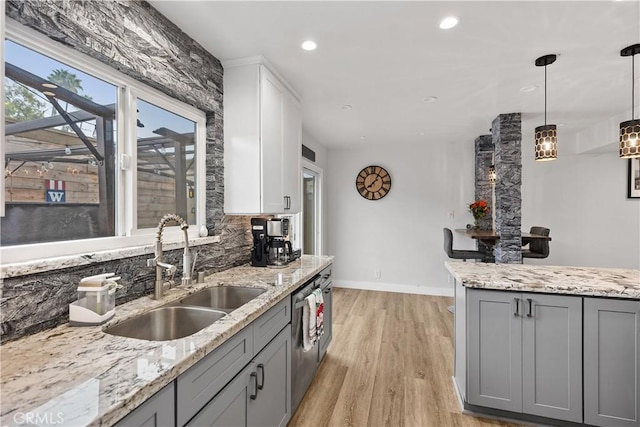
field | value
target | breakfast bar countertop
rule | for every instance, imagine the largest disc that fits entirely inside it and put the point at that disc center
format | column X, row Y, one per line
column 550, row 279
column 82, row 376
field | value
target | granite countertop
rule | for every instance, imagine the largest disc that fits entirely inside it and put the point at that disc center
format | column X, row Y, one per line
column 549, row 279
column 82, row 376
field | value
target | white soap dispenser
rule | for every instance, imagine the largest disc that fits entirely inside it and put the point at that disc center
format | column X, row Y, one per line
column 96, row 300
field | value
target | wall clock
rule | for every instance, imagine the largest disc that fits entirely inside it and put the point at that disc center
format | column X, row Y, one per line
column 373, row 182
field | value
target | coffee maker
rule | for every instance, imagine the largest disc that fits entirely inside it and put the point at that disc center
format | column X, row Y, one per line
column 280, row 252
column 271, row 247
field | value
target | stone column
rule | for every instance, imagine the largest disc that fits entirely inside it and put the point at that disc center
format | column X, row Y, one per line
column 484, row 190
column 506, row 132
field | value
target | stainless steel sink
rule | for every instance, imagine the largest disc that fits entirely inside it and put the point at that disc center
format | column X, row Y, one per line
column 223, row 298
column 166, row 323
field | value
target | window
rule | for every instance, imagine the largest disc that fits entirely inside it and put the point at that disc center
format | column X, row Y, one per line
column 59, row 151
column 91, row 156
column 166, row 165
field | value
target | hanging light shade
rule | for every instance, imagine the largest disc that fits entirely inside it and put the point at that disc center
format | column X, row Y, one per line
column 492, row 174
column 546, row 136
column 630, row 130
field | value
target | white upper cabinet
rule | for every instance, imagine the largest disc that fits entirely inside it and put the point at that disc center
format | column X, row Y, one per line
column 262, row 141
column 292, row 153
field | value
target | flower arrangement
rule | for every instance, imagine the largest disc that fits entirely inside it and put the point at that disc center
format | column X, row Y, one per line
column 479, row 209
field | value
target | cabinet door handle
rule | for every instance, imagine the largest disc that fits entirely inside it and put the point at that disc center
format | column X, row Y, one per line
column 255, row 379
column 530, row 301
column 287, row 202
column 327, row 291
column 260, row 384
column 517, row 301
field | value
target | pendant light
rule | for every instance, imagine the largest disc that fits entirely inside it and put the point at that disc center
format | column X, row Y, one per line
column 630, row 130
column 546, row 136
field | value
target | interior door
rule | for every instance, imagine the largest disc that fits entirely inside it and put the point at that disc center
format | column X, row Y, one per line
column 311, row 211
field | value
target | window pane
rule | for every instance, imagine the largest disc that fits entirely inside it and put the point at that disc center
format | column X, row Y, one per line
column 60, row 133
column 166, row 165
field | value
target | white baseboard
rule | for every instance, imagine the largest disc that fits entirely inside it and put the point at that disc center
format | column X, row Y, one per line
column 391, row 287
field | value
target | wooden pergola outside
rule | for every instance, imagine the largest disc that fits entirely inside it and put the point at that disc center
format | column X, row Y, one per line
column 165, row 163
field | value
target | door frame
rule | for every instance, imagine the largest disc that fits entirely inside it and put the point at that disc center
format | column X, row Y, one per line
column 318, row 172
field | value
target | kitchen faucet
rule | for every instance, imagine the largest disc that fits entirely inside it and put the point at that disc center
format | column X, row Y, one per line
column 171, row 269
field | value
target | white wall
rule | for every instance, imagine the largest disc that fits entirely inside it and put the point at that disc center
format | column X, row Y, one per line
column 580, row 197
column 321, row 162
column 401, row 234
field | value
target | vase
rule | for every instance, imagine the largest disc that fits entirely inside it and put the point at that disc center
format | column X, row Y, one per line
column 476, row 224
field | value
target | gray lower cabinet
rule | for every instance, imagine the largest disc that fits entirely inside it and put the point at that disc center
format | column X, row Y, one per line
column 525, row 353
column 157, row 411
column 494, row 350
column 206, row 378
column 552, row 356
column 272, row 366
column 229, row 407
column 611, row 362
column 260, row 395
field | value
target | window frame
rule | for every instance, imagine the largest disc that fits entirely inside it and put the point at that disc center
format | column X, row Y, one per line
column 128, row 91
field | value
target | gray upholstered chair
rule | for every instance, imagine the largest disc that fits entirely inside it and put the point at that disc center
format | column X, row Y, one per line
column 458, row 254
column 537, row 248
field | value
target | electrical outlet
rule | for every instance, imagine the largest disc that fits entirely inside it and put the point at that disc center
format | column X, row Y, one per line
column 452, row 214
column 378, row 274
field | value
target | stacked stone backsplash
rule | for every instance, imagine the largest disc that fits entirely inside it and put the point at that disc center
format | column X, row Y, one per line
column 40, row 301
column 135, row 39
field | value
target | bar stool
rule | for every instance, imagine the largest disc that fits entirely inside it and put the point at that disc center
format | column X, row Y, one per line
column 459, row 254
column 537, row 248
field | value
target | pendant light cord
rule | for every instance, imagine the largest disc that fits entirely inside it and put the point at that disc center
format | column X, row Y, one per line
column 633, row 85
column 545, row 95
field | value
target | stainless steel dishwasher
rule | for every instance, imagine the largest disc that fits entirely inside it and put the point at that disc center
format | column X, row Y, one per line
column 303, row 363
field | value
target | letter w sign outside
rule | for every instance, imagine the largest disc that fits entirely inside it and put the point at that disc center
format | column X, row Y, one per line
column 54, row 192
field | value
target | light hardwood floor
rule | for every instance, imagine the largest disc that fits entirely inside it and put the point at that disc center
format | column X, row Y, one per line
column 390, row 364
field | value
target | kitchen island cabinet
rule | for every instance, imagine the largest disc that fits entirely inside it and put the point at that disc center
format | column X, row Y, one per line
column 611, row 362
column 525, row 353
column 548, row 344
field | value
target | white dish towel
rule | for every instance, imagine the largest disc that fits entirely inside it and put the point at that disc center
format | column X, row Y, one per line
column 309, row 322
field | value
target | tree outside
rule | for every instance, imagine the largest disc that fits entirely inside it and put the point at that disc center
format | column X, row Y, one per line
column 21, row 104
column 65, row 79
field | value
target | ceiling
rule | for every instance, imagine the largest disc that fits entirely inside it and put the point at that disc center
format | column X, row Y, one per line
column 385, row 58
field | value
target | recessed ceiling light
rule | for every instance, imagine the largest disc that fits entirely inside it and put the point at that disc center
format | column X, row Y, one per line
column 449, row 22
column 309, row 45
column 49, row 93
column 421, row 133
column 527, row 89
column 363, row 137
column 49, row 85
column 431, row 99
column 346, row 107
column 561, row 125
